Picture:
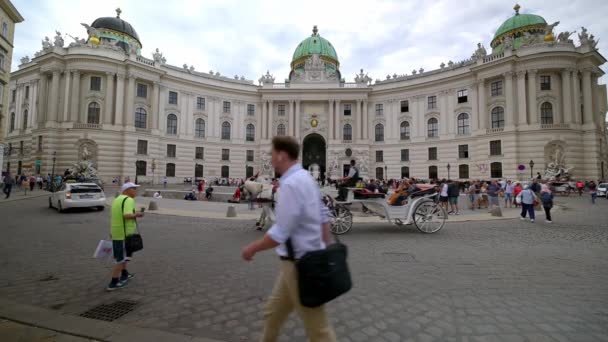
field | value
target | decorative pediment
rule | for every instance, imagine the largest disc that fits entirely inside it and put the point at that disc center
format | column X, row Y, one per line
column 314, row 123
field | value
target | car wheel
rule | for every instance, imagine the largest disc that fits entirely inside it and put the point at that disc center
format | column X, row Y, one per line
column 59, row 207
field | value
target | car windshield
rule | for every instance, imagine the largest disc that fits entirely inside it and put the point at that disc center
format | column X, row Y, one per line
column 603, row 185
column 78, row 189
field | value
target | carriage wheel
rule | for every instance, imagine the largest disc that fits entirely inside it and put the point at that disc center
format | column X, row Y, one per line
column 343, row 220
column 429, row 217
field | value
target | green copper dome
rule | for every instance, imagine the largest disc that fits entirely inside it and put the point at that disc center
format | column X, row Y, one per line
column 315, row 44
column 518, row 24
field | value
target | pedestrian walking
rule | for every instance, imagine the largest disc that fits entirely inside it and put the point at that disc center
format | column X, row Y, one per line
column 165, row 182
column 517, row 189
column 473, row 195
column 32, row 183
column 39, row 181
column 453, row 194
column 123, row 224
column 443, row 195
column 546, row 197
column 527, row 198
column 509, row 194
column 593, row 191
column 492, row 191
column 9, row 182
column 299, row 223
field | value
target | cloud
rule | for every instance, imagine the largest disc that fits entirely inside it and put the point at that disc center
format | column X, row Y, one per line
column 250, row 37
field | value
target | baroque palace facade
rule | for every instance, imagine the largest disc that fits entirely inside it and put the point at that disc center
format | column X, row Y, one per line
column 534, row 98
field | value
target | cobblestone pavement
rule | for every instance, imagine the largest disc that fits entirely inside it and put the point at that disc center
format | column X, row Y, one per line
column 484, row 281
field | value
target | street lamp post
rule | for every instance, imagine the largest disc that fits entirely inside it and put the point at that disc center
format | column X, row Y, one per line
column 531, row 169
column 52, row 182
column 448, row 167
column 136, row 172
column 385, row 172
column 153, row 168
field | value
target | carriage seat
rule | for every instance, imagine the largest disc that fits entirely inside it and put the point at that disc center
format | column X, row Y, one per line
column 424, row 189
column 366, row 194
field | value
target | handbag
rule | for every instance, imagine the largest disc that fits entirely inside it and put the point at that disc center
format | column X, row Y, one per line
column 133, row 243
column 322, row 275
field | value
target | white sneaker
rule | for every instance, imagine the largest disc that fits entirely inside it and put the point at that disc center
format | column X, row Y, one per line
column 532, row 220
column 549, row 221
column 522, row 218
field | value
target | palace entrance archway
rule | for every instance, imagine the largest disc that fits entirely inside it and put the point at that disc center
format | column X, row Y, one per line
column 314, row 151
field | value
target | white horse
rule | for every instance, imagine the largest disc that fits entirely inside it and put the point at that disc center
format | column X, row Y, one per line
column 260, row 188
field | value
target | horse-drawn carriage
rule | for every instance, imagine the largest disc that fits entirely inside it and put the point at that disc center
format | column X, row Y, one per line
column 420, row 208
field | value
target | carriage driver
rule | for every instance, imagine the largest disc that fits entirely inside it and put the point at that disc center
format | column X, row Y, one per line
column 348, row 181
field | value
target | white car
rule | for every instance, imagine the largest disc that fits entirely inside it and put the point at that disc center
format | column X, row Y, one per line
column 602, row 190
column 78, row 195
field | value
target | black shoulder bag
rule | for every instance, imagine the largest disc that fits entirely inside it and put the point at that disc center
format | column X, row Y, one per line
column 133, row 243
column 322, row 275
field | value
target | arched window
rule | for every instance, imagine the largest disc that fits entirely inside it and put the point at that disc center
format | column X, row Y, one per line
column 405, row 130
column 141, row 118
column 225, row 130
column 379, row 173
column 433, row 172
column 172, row 124
column 12, row 124
column 463, row 171
column 250, row 133
column 347, row 132
column 405, row 172
column 496, row 170
column 281, row 130
column 140, row 168
column 432, row 128
column 225, row 171
column 170, row 170
column 463, row 124
column 199, row 128
column 198, row 171
column 249, row 171
column 379, row 132
column 546, row 113
column 498, row 117
column 93, row 113
column 25, row 119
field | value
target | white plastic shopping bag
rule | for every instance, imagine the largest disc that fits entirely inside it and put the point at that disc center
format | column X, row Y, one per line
column 103, row 250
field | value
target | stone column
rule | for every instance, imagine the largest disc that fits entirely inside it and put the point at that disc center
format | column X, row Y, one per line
column 510, row 110
column 75, row 97
column 264, row 114
column 365, row 121
column 330, row 133
column 337, row 116
column 419, row 118
column 451, row 114
column 481, row 108
column 107, row 118
column 595, row 94
column 186, row 119
column 532, row 97
column 66, row 96
column 290, row 120
column 576, row 103
column 473, row 118
column 54, row 96
column 587, row 98
column 42, row 96
column 566, row 95
column 32, row 121
column 395, row 123
column 155, row 105
column 443, row 113
column 298, row 120
column 119, row 100
column 521, row 98
column 215, row 117
column 129, row 101
column 269, row 130
column 358, row 120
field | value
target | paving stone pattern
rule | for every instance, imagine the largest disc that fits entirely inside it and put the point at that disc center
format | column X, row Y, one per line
column 473, row 281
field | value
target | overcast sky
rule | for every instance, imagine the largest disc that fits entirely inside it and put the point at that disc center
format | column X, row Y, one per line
column 249, row 37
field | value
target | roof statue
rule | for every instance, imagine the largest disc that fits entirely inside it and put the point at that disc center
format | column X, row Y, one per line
column 25, row 59
column 158, row 57
column 479, row 53
column 118, row 11
column 46, row 43
column 564, row 37
column 586, row 39
column 266, row 79
column 58, row 40
column 549, row 37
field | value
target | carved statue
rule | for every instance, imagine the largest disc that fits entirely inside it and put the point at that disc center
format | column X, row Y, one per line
column 46, row 43
column 442, row 65
column 266, row 164
column 91, row 31
column 480, row 52
column 77, row 42
column 315, row 171
column 158, row 57
column 191, row 69
column 531, row 39
column 592, row 42
column 362, row 78
column 421, row 70
column 549, row 29
column 555, row 157
column 583, row 36
column 266, row 79
column 185, row 66
column 564, row 37
column 25, row 60
column 450, row 64
column 58, row 40
column 507, row 43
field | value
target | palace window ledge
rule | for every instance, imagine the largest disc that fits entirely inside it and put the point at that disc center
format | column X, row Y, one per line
column 141, row 154
column 494, row 130
column 495, row 156
column 170, row 158
column 432, row 138
column 464, row 159
column 555, row 126
column 199, row 159
column 347, row 141
column 432, row 160
column 82, row 125
column 464, row 134
column 143, row 130
column 405, row 161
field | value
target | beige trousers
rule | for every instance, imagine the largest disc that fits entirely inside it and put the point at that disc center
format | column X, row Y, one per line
column 284, row 299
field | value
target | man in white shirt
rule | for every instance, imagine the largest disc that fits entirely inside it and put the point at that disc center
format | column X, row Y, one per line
column 299, row 217
column 348, row 181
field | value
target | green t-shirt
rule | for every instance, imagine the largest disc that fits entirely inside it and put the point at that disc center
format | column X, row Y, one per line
column 118, row 225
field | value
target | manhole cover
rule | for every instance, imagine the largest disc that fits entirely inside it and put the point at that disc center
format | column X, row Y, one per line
column 398, row 257
column 110, row 312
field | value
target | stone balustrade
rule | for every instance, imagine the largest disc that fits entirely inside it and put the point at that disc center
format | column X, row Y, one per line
column 555, row 126
column 145, row 60
column 78, row 125
column 494, row 57
column 494, row 130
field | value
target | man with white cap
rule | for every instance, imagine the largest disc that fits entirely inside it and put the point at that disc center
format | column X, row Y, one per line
column 123, row 224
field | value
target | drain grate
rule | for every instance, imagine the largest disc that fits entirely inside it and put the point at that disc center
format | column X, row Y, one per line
column 110, row 312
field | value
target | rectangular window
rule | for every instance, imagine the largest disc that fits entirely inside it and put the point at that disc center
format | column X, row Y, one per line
column 5, row 29
column 226, row 107
column 496, row 88
column 225, row 154
column 200, row 103
column 463, row 96
column 432, row 153
column 170, row 172
column 173, row 97
column 2, row 58
column 95, row 83
column 405, row 155
column 347, row 109
column 463, row 151
column 40, row 143
column 379, row 156
column 249, row 155
column 495, row 148
column 545, row 83
column 199, row 153
column 171, row 151
column 432, row 102
column 142, row 90
column 405, row 106
column 379, row 109
column 14, row 96
column 27, row 92
column 142, row 147
column 281, row 110
column 251, row 109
